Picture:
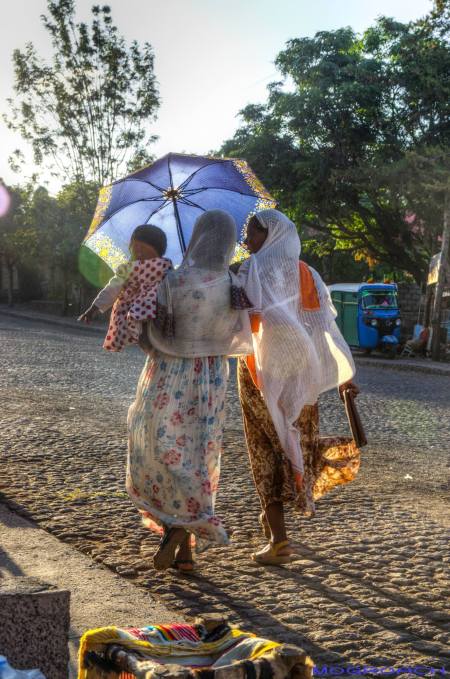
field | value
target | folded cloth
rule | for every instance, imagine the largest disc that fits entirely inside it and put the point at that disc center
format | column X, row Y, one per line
column 188, row 650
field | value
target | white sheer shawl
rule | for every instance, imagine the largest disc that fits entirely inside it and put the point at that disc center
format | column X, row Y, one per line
column 336, row 364
column 198, row 295
column 298, row 354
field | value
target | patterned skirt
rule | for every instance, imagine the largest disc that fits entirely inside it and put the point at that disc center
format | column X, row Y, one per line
column 328, row 461
column 175, row 431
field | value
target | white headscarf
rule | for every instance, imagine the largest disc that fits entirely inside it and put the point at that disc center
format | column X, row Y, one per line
column 292, row 356
column 198, row 295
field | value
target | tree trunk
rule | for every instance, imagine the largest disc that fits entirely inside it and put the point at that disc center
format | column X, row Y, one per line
column 428, row 306
column 10, row 270
column 330, row 267
column 66, row 292
column 436, row 317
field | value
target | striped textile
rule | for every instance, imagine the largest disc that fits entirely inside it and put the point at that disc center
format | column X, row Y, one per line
column 188, row 652
column 163, row 643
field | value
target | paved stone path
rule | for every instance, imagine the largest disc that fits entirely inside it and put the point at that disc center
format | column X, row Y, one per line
column 371, row 584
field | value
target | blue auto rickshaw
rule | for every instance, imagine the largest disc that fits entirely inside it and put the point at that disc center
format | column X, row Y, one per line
column 368, row 315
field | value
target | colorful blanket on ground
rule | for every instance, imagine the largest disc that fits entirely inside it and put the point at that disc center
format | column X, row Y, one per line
column 185, row 645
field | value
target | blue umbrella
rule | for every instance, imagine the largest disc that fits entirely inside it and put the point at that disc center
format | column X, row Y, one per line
column 172, row 193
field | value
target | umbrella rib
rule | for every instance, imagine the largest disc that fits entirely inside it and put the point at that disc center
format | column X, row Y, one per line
column 159, row 209
column 216, row 162
column 144, row 181
column 186, row 201
column 219, row 188
column 134, row 202
column 175, row 209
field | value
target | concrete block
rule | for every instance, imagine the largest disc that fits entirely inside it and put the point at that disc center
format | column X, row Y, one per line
column 34, row 626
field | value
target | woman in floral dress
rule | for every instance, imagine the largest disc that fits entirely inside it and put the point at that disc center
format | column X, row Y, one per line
column 176, row 422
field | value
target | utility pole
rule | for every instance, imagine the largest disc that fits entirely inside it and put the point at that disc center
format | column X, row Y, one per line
column 443, row 263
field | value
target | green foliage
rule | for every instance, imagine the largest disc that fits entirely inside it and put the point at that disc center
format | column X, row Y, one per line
column 18, row 237
column 42, row 234
column 76, row 203
column 87, row 113
column 333, row 139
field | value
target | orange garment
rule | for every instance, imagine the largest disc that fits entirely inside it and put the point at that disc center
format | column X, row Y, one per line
column 308, row 291
column 309, row 300
column 255, row 323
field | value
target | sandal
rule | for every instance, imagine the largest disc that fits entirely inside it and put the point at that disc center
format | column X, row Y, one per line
column 269, row 555
column 165, row 554
column 265, row 525
column 184, row 562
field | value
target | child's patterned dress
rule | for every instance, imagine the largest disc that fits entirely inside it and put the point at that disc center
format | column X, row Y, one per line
column 136, row 302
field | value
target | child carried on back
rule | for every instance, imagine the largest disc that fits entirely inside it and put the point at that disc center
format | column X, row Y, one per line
column 132, row 291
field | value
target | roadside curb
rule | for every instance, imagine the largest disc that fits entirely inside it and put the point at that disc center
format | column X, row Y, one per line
column 398, row 364
column 99, row 594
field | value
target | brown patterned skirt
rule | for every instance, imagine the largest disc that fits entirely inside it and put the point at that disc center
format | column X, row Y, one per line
column 328, row 461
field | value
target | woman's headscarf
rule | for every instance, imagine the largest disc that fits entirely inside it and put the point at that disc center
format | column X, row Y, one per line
column 291, row 344
column 212, row 243
column 198, row 296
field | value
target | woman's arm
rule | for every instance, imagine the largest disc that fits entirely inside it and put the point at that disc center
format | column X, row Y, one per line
column 248, row 278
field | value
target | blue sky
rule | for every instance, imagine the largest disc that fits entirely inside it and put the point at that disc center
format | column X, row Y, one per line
column 212, row 56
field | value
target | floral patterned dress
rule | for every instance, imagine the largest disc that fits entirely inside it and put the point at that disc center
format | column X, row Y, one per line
column 175, row 439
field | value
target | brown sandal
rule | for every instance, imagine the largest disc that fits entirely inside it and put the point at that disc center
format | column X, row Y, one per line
column 271, row 556
column 179, row 563
column 170, row 541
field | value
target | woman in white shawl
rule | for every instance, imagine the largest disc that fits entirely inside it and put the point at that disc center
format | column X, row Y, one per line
column 176, row 422
column 298, row 354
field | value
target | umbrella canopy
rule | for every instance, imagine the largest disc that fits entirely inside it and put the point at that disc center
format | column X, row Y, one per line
column 172, row 193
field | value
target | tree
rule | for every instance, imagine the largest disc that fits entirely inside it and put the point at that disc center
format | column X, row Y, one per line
column 60, row 224
column 335, row 130
column 18, row 239
column 76, row 204
column 87, row 113
column 41, row 235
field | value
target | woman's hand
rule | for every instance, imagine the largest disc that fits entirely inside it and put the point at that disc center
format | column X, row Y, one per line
column 89, row 315
column 350, row 386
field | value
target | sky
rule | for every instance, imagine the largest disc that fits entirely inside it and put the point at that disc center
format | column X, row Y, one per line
column 212, row 57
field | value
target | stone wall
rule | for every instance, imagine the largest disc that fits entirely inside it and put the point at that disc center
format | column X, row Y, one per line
column 409, row 299
column 34, row 626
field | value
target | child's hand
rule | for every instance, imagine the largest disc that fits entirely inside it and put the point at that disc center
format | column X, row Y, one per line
column 89, row 315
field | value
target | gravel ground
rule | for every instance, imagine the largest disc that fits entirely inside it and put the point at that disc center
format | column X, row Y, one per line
column 371, row 582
